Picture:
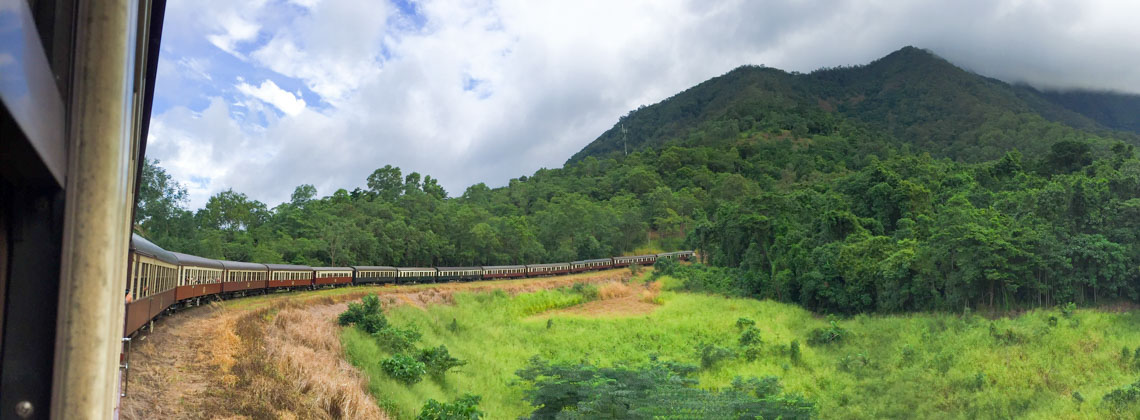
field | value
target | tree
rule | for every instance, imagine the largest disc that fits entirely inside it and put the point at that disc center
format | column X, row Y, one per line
column 386, row 183
column 304, row 193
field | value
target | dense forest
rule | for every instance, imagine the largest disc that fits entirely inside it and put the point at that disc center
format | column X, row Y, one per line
column 904, row 184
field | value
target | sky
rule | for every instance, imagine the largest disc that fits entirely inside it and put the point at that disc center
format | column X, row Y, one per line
column 261, row 96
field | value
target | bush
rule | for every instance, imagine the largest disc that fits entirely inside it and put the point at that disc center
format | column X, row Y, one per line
column 743, row 323
column 1123, row 397
column 438, row 361
column 750, row 337
column 1068, row 309
column 712, row 354
column 794, row 352
column 466, row 407
column 665, row 267
column 907, row 355
column 404, row 368
column 634, row 269
column 453, row 326
column 854, row 363
column 368, row 315
column 588, row 291
column 831, row 335
column 397, row 340
column 979, row 381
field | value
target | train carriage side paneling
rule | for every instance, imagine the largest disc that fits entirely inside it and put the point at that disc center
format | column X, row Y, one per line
column 331, row 276
column 243, row 277
column 503, row 271
column 406, row 275
column 153, row 273
column 286, row 276
column 459, row 273
column 551, row 269
column 197, row 277
column 379, row 274
column 635, row 259
column 588, row 265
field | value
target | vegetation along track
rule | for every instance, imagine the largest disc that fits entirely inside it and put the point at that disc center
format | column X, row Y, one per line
column 277, row 356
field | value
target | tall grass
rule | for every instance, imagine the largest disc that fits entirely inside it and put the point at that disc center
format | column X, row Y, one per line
column 907, row 366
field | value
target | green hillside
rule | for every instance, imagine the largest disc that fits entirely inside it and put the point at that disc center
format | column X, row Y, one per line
column 910, row 97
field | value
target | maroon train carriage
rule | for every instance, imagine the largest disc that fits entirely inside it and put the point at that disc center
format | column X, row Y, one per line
column 588, row 265
column 503, row 271
column 197, row 277
column 636, row 259
column 331, row 276
column 533, row 270
column 244, row 278
column 152, row 273
column 286, row 276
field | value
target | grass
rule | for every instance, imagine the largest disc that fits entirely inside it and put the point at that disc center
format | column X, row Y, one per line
column 905, row 366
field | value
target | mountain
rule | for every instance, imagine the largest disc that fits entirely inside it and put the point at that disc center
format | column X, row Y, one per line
column 910, row 96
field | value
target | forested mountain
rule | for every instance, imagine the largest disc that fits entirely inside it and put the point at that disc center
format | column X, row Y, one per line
column 1114, row 110
column 908, row 97
column 904, row 184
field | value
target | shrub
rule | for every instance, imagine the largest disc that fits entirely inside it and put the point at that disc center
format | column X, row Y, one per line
column 907, row 355
column 634, row 269
column 830, row 335
column 404, row 368
column 1078, row 398
column 712, row 354
column 1125, row 353
column 750, row 337
column 437, row 361
column 588, row 291
column 368, row 315
column 398, row 340
column 743, row 323
column 1123, row 397
column 549, row 323
column 1007, row 337
column 979, row 381
column 466, row 407
column 854, row 363
column 794, row 352
column 1068, row 309
column 665, row 267
column 453, row 326
column 1052, row 321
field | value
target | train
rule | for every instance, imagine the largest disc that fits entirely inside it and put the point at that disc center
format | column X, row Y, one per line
column 159, row 281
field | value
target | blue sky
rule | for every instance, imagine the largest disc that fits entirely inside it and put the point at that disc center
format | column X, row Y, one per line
column 262, row 96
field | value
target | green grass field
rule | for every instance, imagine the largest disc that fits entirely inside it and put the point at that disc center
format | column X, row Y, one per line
column 908, row 366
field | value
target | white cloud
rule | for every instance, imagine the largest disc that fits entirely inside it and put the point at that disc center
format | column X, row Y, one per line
column 269, row 93
column 483, row 91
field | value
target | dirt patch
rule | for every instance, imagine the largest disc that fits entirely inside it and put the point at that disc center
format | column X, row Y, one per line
column 278, row 356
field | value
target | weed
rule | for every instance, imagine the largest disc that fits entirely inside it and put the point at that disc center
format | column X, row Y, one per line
column 830, row 335
column 742, row 323
column 463, row 408
column 712, row 354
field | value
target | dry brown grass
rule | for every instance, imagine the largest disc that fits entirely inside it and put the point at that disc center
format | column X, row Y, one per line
column 614, row 290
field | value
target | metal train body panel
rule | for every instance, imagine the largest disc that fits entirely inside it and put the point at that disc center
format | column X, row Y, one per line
column 331, row 276
column 364, row 274
column 503, row 271
column 459, row 273
column 412, row 275
column 289, row 276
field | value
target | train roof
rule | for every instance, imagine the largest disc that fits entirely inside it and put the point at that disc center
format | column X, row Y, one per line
column 288, row 267
column 502, row 267
column 593, row 260
column 332, row 268
column 142, row 246
column 415, row 268
column 237, row 265
column 372, row 267
column 196, row 261
column 458, row 268
column 548, row 264
column 639, row 256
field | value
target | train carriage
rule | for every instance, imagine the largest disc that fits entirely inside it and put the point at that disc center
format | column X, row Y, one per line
column 503, row 271
column 551, row 269
column 680, row 255
column 152, row 275
column 588, row 265
column 331, row 276
column 197, row 277
column 635, row 259
column 243, row 277
column 415, row 274
column 381, row 274
column 287, row 276
column 459, row 273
